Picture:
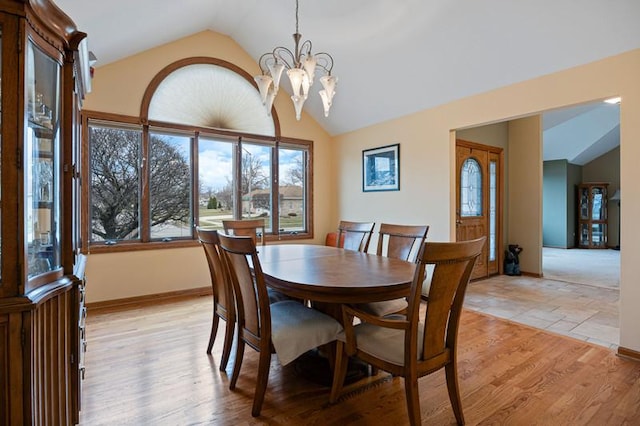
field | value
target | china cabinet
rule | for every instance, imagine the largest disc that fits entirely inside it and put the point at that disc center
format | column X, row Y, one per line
column 592, row 215
column 43, row 78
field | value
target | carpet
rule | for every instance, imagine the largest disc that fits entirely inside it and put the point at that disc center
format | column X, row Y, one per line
column 595, row 267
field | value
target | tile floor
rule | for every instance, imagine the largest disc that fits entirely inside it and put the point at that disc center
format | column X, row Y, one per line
column 583, row 311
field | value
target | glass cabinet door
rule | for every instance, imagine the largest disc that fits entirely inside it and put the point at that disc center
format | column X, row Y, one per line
column 42, row 162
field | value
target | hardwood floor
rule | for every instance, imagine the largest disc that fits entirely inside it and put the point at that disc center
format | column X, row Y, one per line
column 147, row 365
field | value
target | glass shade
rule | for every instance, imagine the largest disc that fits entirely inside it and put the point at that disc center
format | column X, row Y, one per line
column 269, row 101
column 326, row 102
column 298, row 101
column 296, row 75
column 309, row 65
column 275, row 70
column 264, row 82
column 329, row 84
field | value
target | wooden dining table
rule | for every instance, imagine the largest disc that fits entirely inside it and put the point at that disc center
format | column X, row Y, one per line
column 334, row 275
column 329, row 277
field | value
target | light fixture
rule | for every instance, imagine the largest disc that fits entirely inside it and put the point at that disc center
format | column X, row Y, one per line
column 301, row 65
column 613, row 101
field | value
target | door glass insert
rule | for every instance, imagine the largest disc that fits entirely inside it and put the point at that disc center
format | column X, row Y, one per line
column 493, row 187
column 471, row 189
column 42, row 163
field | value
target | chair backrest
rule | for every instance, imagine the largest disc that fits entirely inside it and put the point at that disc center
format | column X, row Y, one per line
column 354, row 235
column 222, row 289
column 453, row 264
column 245, row 274
column 400, row 241
column 253, row 228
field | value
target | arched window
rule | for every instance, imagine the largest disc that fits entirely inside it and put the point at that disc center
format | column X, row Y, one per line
column 207, row 92
column 203, row 149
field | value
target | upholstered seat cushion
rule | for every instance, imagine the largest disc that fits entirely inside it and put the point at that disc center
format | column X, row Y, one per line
column 296, row 328
column 388, row 307
column 275, row 296
column 384, row 343
column 381, row 309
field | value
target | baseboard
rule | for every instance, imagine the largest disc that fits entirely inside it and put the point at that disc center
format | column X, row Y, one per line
column 629, row 353
column 150, row 298
column 530, row 274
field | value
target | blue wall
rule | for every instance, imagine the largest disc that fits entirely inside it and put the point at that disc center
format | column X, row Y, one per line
column 559, row 203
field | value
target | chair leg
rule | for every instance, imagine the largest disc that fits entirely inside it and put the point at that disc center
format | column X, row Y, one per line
column 214, row 331
column 228, row 342
column 261, row 382
column 454, row 391
column 339, row 372
column 413, row 400
column 237, row 364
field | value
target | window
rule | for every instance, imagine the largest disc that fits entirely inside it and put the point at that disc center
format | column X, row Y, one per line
column 292, row 194
column 115, row 154
column 159, row 191
column 208, row 151
column 170, row 165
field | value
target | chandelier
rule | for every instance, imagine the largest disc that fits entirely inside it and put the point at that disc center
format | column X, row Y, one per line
column 301, row 65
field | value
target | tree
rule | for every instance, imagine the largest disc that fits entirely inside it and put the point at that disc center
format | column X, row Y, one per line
column 212, row 203
column 253, row 176
column 295, row 174
column 169, row 184
column 115, row 183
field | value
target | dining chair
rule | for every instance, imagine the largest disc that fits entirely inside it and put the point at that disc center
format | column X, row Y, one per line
column 253, row 228
column 354, row 235
column 400, row 242
column 287, row 328
column 223, row 299
column 422, row 341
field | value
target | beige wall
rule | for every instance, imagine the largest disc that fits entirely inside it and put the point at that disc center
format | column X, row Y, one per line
column 492, row 134
column 524, row 205
column 427, row 141
column 118, row 88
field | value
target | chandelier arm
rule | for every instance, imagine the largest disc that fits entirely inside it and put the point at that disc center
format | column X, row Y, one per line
column 263, row 62
column 285, row 55
column 324, row 61
column 305, row 48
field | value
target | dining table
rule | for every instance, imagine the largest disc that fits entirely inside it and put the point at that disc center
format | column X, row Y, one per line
column 334, row 275
column 329, row 277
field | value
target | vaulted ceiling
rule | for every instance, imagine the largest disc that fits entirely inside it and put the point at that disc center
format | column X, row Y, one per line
column 392, row 57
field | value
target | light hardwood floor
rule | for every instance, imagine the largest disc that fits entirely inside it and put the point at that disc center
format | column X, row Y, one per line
column 147, row 365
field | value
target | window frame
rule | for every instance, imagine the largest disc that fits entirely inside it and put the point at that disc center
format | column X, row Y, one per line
column 195, row 132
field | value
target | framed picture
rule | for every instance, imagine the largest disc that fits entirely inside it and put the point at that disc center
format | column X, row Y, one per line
column 381, row 168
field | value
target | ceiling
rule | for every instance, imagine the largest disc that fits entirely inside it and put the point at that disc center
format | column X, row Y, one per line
column 392, row 57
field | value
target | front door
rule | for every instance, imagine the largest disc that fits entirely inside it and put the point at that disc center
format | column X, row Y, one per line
column 479, row 201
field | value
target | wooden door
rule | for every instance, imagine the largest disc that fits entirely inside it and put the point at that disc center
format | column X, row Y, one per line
column 479, row 202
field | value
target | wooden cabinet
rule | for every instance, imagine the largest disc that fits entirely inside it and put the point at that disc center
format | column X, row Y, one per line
column 592, row 215
column 42, row 83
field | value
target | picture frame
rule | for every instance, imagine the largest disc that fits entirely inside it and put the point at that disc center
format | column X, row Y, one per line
column 381, row 168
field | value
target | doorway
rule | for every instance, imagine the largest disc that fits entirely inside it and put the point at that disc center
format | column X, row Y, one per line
column 479, row 183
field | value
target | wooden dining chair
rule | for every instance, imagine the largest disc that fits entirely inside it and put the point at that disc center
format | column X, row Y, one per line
column 400, row 242
column 223, row 299
column 417, row 344
column 286, row 328
column 354, row 235
column 253, row 228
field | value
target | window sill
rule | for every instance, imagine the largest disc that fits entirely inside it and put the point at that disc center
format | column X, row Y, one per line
column 160, row 245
